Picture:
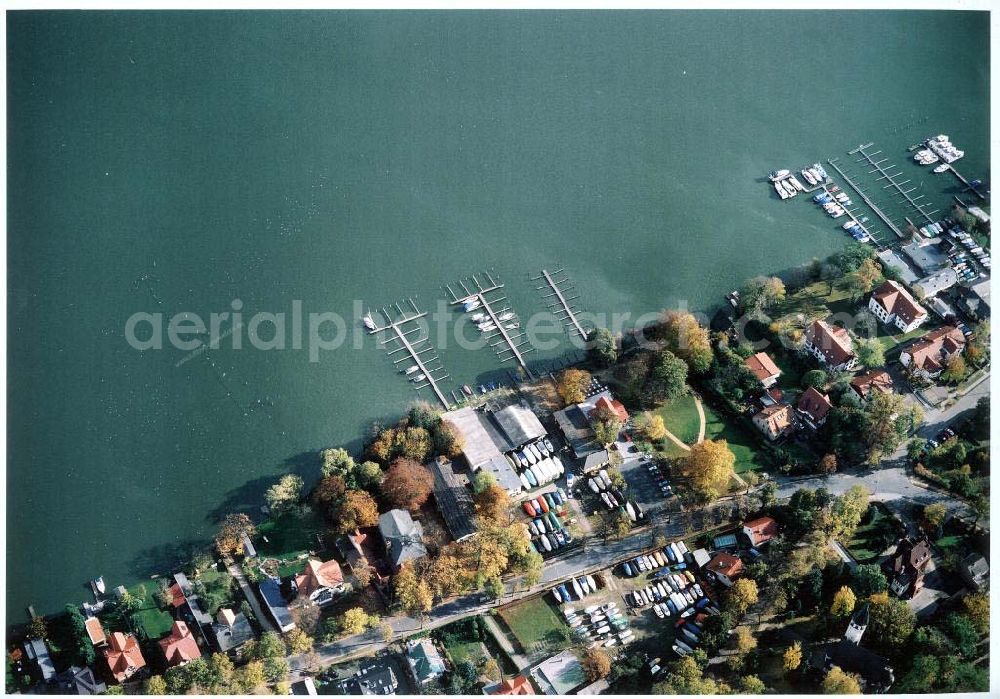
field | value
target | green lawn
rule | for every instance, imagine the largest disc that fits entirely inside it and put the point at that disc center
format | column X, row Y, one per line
column 865, row 540
column 150, row 618
column 810, row 300
column 536, row 626
column 681, row 417
column 890, row 341
column 465, row 650
column 288, row 536
column 743, row 445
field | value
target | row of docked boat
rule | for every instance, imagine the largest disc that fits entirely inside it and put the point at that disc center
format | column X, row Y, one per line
column 857, row 231
column 485, row 320
column 942, row 148
column 814, row 175
column 576, row 589
column 925, row 157
column 833, row 207
column 547, row 531
column 785, row 184
column 613, row 498
column 974, row 249
column 603, row 625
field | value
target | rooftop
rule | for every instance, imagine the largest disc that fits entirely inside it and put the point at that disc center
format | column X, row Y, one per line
column 762, row 366
column 402, row 535
column 454, row 499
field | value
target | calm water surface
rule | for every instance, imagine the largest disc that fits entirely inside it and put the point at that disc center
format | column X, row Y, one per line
column 273, row 157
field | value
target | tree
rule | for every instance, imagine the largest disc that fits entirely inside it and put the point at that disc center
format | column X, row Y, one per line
column 751, row 684
column 155, row 685
column 614, row 523
column 847, row 511
column 759, row 293
column 284, row 494
column 828, row 464
column 355, row 510
column 792, row 657
column 356, row 620
column 82, row 651
column 572, row 385
column 276, row 669
column 934, row 515
column 386, row 631
column 494, row 503
column 596, row 664
column 839, row 682
column 234, row 527
column 491, row 669
column 251, row 676
column 741, row 596
column 299, row 642
column 270, row 645
column 745, row 640
column 369, row 475
column 890, row 622
column 337, row 462
column 37, row 628
column 407, row 484
column 884, row 425
column 709, row 465
column 495, row 588
column 667, row 379
column 843, row 602
column 977, row 607
column 650, row 426
column 816, row 378
column 601, row 347
column 850, row 258
column 412, row 591
column 868, row 579
column 870, row 353
column 221, row 671
column 606, row 424
column 328, row 492
column 864, row 278
column 686, row 338
column 955, row 369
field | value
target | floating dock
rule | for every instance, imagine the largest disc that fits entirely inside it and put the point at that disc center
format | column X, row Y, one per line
column 395, row 327
column 514, row 341
column 886, row 174
column 559, row 304
column 871, row 205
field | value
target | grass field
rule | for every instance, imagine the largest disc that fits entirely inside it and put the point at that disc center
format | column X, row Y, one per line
column 810, row 300
column 288, row 536
column 681, row 417
column 536, row 626
column 865, row 540
column 743, row 445
column 153, row 621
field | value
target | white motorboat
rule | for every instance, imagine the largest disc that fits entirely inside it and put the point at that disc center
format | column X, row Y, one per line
column 411, row 370
column 592, row 482
column 525, row 483
column 506, row 315
column 418, row 378
column 532, row 458
column 540, row 446
column 534, row 450
column 778, row 175
column 471, row 305
column 369, row 321
column 943, row 167
column 478, row 317
column 630, row 511
column 512, row 326
column 559, row 465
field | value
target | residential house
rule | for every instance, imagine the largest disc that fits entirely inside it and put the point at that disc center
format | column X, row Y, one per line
column 831, row 346
column 934, row 284
column 453, row 496
column 814, row 406
column 518, row 685
column 277, row 605
column 893, row 305
column 725, row 567
column 975, row 571
column 775, row 421
column 231, row 631
column 772, row 396
column 187, row 605
column 180, row 646
column 612, row 404
column 76, row 680
column 123, row 656
column 874, row 672
column 975, row 300
column 360, row 550
column 304, row 687
column 425, row 661
column 574, row 423
column 764, row 368
column 95, row 632
column 927, row 356
column 38, row 651
column 321, row 582
column 906, row 567
column 761, row 530
column 403, row 537
column 874, row 382
column 375, row 677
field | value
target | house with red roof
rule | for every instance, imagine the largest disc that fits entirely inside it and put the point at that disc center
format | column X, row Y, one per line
column 893, row 305
column 874, row 382
column 725, row 567
column 832, row 346
column 123, row 656
column 775, row 421
column 764, row 368
column 180, row 647
column 516, row 685
column 929, row 355
column 611, row 404
column 320, row 582
column 95, row 631
column 761, row 530
column 814, row 406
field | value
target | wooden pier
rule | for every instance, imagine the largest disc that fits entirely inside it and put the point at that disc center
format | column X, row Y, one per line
column 890, row 177
column 871, row 205
column 968, row 185
column 394, row 326
column 560, row 305
column 514, row 341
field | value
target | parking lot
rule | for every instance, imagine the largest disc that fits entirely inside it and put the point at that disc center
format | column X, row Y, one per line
column 644, row 487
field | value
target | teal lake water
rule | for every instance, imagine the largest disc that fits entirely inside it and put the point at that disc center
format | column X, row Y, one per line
column 329, row 157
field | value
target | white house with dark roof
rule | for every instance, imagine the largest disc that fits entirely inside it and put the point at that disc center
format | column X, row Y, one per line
column 403, row 537
column 831, row 346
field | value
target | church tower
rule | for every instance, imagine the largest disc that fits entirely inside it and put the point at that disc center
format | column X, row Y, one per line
column 859, row 622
